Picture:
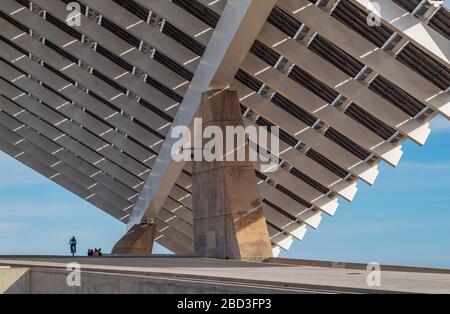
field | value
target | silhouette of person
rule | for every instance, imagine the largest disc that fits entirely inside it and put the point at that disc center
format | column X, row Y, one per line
column 73, row 246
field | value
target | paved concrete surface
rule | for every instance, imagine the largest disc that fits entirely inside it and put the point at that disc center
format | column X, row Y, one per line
column 320, row 278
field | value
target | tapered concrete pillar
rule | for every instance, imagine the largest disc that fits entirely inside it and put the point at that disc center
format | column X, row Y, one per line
column 139, row 240
column 228, row 216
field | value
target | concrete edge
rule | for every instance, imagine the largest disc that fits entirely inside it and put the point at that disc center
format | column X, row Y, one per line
column 273, row 284
column 353, row 266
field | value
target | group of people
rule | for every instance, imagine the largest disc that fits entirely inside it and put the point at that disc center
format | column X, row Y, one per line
column 91, row 252
column 95, row 252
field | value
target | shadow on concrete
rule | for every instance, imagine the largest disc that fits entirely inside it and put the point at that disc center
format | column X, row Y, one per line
column 14, row 280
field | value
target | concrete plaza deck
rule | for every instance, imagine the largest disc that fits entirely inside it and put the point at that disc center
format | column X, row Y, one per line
column 242, row 277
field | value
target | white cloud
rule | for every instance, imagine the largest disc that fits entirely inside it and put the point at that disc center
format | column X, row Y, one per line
column 419, row 177
column 15, row 174
column 426, row 167
column 40, row 208
column 12, row 226
column 440, row 125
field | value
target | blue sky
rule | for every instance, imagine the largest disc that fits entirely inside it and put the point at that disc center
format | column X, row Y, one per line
column 403, row 219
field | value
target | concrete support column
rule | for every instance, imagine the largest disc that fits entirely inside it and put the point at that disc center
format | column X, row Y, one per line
column 228, row 216
column 138, row 240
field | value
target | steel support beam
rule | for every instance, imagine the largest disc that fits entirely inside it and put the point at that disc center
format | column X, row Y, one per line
column 238, row 27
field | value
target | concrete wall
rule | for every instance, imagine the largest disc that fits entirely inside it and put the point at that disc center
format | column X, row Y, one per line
column 14, row 280
column 53, row 281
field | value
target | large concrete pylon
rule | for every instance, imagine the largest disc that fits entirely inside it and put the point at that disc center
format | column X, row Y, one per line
column 138, row 240
column 228, row 216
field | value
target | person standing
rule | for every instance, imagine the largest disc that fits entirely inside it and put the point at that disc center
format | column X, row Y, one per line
column 73, row 246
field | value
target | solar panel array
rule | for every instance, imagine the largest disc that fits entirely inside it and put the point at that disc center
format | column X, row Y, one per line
column 90, row 106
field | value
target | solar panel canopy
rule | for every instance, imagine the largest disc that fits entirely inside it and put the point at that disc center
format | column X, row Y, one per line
column 89, row 106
